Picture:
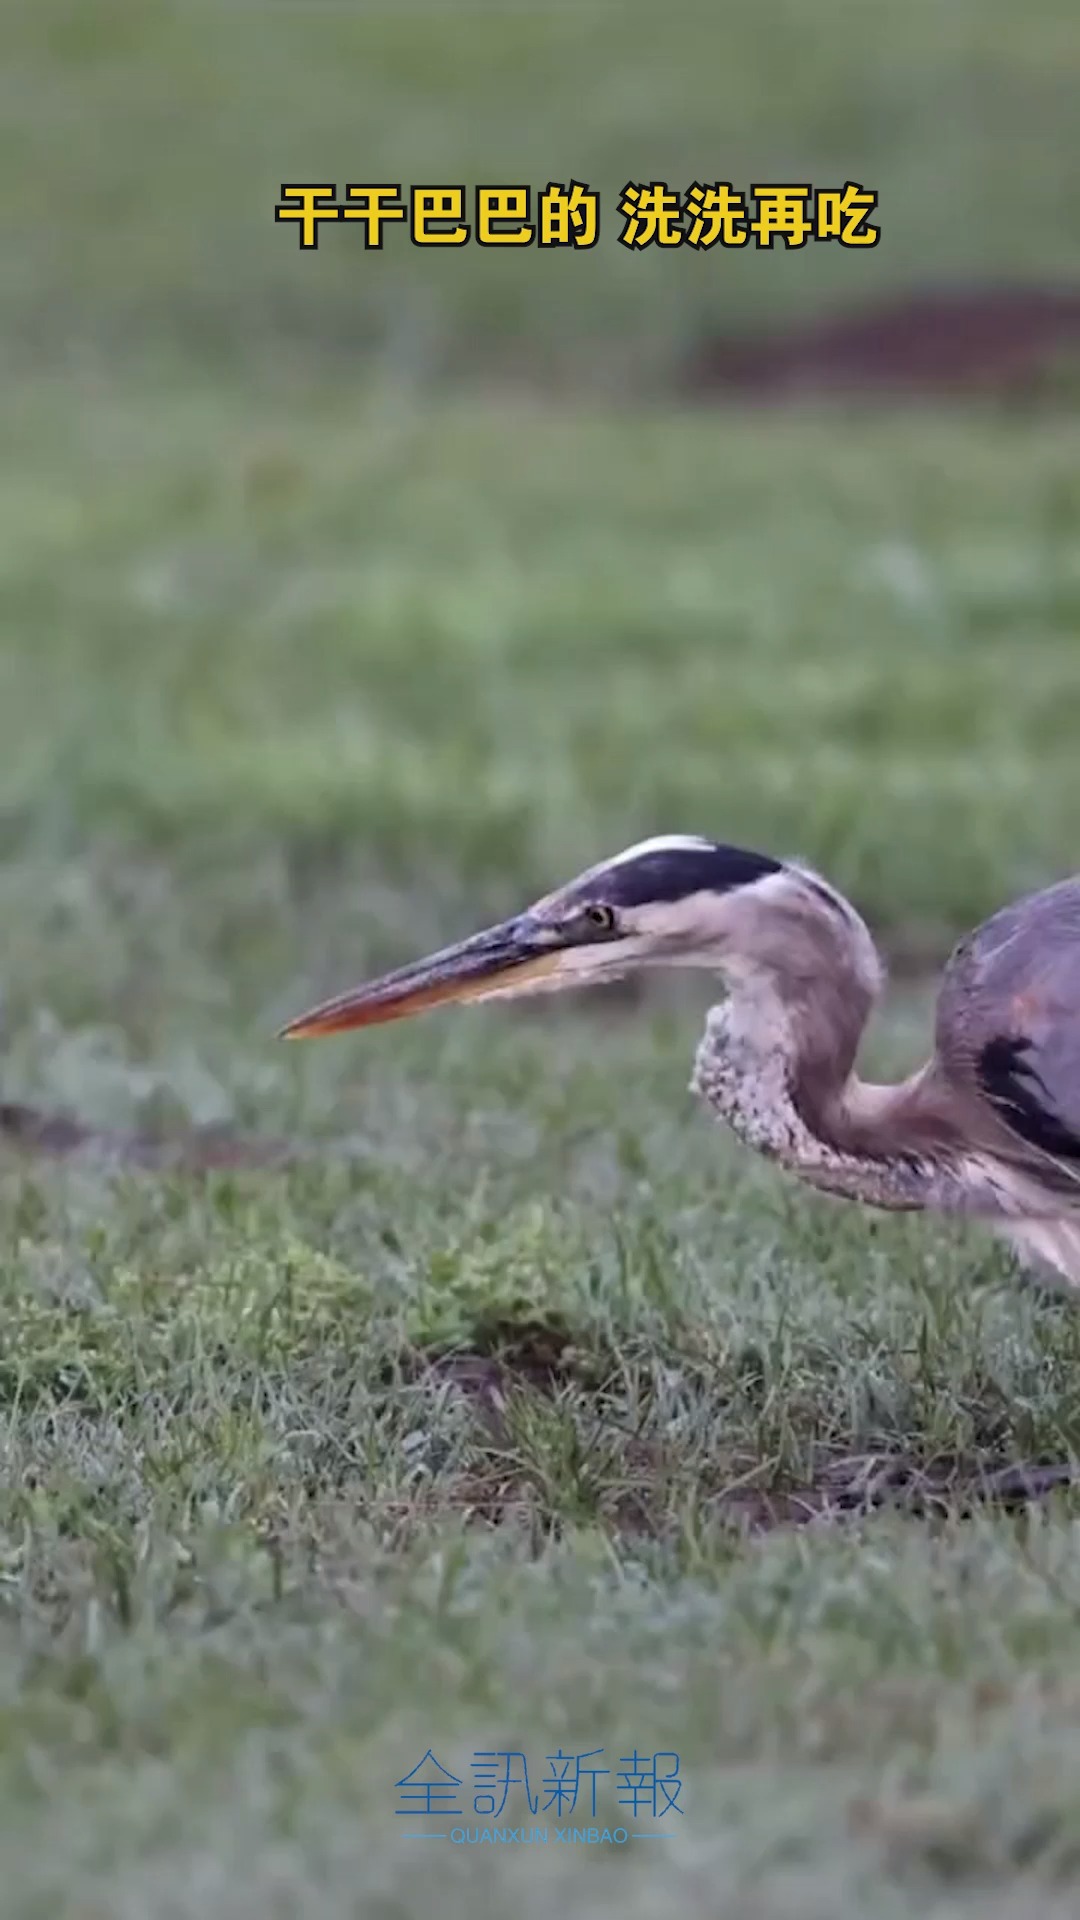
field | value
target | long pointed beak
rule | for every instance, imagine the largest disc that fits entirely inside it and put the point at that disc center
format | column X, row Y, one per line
column 507, row 956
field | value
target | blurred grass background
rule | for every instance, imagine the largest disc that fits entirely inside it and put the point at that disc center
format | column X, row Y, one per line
column 147, row 145
column 347, row 600
column 337, row 609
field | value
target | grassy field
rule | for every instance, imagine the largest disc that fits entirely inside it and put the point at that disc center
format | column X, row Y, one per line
column 470, row 1431
column 146, row 147
column 292, row 692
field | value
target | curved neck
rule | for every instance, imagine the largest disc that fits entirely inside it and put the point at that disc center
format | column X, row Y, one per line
column 778, row 1065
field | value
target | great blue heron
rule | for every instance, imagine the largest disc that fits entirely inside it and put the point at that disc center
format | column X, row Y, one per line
column 988, row 1128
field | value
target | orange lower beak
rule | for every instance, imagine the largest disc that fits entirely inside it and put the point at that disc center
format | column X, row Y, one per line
column 500, row 960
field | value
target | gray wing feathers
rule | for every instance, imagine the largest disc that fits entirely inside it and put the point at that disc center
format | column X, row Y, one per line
column 1008, row 1022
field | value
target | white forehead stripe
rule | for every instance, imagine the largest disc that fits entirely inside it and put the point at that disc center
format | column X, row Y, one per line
column 662, row 843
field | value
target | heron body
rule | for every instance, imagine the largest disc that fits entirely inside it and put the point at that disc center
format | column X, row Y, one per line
column 988, row 1128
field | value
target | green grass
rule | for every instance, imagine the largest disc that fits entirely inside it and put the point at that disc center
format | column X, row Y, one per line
column 292, row 690
column 145, row 148
column 471, row 1430
column 341, row 635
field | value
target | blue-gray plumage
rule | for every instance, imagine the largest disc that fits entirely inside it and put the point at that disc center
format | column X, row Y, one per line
column 988, row 1127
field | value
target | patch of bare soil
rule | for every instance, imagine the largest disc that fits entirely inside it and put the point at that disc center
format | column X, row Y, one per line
column 847, row 1486
column 967, row 341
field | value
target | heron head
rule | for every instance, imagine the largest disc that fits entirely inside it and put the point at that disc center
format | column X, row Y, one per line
column 674, row 901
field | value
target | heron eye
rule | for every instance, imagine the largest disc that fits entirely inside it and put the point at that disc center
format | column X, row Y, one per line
column 600, row 918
